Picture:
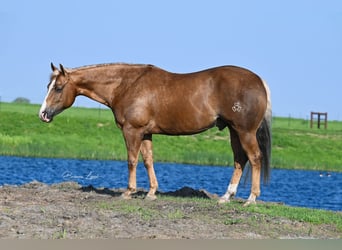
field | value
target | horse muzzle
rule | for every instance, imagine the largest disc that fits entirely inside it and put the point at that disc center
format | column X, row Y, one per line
column 46, row 116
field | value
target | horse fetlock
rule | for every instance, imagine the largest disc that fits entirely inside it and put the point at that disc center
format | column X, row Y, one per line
column 250, row 200
column 128, row 193
column 255, row 192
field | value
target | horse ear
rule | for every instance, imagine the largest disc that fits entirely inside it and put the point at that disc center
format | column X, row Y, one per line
column 62, row 69
column 53, row 67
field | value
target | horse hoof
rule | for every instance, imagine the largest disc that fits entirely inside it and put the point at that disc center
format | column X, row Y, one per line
column 150, row 197
column 223, row 200
column 125, row 196
column 249, row 202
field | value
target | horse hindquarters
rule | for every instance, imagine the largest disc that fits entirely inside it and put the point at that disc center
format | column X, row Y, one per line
column 250, row 139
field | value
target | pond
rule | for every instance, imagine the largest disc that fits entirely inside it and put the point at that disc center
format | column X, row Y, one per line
column 310, row 189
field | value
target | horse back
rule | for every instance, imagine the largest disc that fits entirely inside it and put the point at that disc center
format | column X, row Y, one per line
column 173, row 103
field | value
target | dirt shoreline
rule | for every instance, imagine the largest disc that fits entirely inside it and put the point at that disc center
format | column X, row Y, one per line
column 69, row 211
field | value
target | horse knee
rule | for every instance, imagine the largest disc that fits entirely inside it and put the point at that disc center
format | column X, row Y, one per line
column 132, row 163
column 148, row 162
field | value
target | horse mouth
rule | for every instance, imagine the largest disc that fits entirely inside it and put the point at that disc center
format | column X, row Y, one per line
column 45, row 116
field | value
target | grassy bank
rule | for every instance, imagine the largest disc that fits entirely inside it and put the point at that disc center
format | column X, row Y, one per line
column 257, row 216
column 91, row 134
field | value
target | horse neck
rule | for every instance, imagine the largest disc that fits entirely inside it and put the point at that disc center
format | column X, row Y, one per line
column 104, row 83
column 98, row 84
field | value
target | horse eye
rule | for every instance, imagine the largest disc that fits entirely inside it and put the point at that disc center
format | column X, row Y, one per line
column 58, row 88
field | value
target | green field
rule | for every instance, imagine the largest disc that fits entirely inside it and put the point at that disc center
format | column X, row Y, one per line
column 92, row 134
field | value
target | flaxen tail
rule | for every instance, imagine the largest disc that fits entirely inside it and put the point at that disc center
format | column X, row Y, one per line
column 264, row 137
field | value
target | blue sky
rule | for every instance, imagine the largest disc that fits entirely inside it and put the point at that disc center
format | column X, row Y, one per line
column 296, row 46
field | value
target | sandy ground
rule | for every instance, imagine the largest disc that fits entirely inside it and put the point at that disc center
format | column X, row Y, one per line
column 69, row 211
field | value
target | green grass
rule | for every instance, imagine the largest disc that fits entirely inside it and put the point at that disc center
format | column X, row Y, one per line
column 313, row 216
column 128, row 208
column 92, row 134
column 228, row 214
column 296, row 145
column 300, row 214
column 79, row 133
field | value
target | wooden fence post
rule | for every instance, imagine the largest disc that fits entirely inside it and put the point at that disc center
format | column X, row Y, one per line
column 319, row 114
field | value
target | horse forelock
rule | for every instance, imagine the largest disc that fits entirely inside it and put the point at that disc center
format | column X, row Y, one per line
column 54, row 74
column 53, row 77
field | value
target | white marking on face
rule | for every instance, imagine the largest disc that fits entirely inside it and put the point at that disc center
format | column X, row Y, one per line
column 43, row 107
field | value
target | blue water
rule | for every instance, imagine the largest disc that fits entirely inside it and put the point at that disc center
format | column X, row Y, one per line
column 292, row 187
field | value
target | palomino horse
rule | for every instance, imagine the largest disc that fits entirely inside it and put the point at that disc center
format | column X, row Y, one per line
column 147, row 100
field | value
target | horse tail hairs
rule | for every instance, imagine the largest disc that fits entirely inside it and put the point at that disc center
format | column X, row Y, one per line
column 264, row 137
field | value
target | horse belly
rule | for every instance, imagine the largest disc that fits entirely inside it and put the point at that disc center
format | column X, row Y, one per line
column 185, row 120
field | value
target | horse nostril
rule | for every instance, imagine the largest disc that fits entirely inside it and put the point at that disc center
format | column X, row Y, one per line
column 45, row 117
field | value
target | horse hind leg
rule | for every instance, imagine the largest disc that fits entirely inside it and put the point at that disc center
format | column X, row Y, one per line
column 240, row 160
column 251, row 147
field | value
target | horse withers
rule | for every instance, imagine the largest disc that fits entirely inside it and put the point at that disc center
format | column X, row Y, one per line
column 147, row 100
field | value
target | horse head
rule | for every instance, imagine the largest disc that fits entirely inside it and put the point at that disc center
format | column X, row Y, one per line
column 60, row 95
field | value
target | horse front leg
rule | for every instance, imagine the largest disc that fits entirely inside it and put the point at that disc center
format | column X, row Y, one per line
column 147, row 154
column 133, row 143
